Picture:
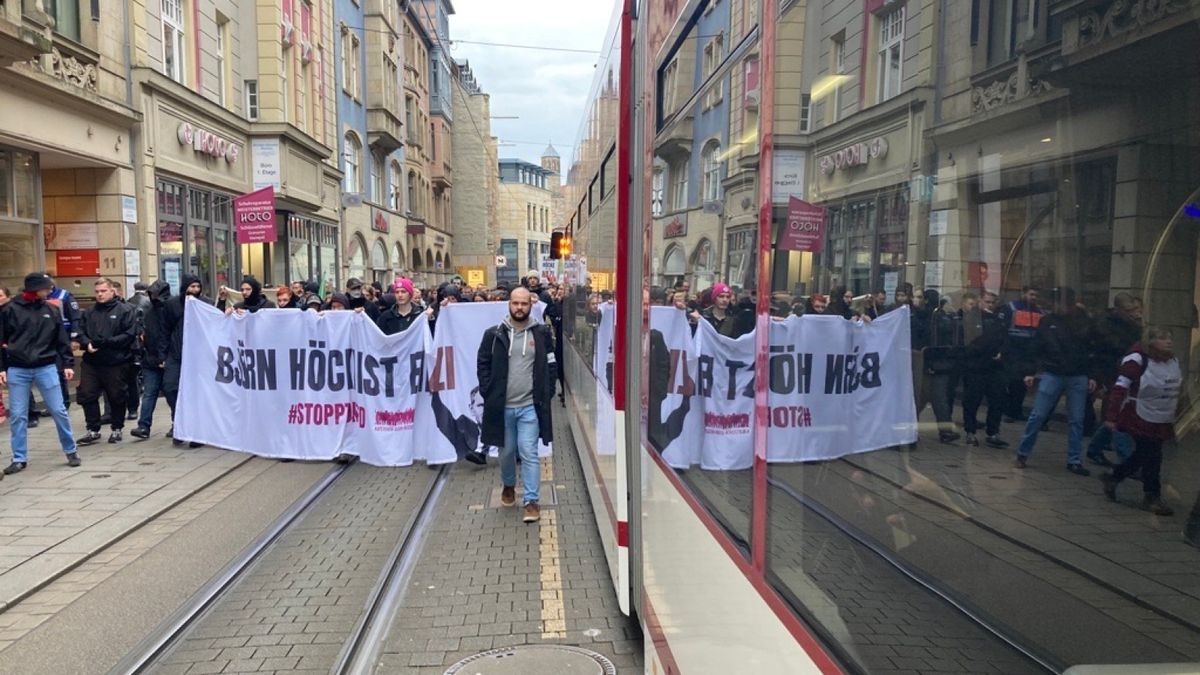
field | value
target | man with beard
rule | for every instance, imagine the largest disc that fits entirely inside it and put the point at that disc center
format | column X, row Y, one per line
column 106, row 335
column 173, row 317
column 516, row 377
column 36, row 342
column 156, row 342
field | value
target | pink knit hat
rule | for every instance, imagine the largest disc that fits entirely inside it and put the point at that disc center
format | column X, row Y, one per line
column 402, row 283
column 720, row 289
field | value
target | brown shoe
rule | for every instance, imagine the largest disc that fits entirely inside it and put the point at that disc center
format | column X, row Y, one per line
column 532, row 512
column 508, row 496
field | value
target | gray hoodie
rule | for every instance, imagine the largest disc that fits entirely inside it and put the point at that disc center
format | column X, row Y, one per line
column 519, row 392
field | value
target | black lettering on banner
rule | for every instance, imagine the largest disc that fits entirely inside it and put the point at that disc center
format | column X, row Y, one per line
column 316, row 367
column 389, row 375
column 416, row 373
column 246, row 368
column 791, row 373
column 686, row 386
column 870, row 378
column 704, row 375
column 733, row 367
column 337, row 371
column 370, row 383
column 835, row 367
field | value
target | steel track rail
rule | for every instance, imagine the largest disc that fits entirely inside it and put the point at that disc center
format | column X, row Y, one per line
column 361, row 650
column 176, row 625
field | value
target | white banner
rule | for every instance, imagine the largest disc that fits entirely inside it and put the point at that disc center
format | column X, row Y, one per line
column 303, row 385
column 836, row 387
column 449, row 424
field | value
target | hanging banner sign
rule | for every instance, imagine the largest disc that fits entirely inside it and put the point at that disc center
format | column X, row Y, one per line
column 254, row 217
column 836, row 388
column 805, row 227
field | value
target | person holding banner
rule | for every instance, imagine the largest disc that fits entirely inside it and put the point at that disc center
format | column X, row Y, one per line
column 516, row 366
column 403, row 313
column 252, row 297
column 173, row 315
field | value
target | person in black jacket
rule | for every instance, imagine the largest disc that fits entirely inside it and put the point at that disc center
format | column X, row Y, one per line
column 402, row 313
column 553, row 297
column 358, row 299
column 35, row 342
column 252, row 298
column 1113, row 337
column 1064, row 354
column 516, row 378
column 983, row 369
column 156, row 342
column 173, row 317
column 140, row 302
column 107, row 334
column 942, row 366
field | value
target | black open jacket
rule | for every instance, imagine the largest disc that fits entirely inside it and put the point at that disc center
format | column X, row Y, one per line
column 492, row 364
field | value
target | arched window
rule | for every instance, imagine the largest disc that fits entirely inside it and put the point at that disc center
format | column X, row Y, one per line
column 703, row 261
column 394, row 191
column 351, row 152
column 398, row 258
column 356, row 257
column 379, row 261
column 429, row 259
column 417, row 263
column 711, row 162
column 674, row 265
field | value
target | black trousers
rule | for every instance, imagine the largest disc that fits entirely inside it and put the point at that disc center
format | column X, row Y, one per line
column 1147, row 455
column 977, row 386
column 109, row 381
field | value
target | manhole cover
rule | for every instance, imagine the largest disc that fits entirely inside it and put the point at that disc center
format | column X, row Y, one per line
column 102, row 475
column 534, row 660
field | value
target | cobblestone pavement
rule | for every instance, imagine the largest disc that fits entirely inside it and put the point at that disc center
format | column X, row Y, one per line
column 1037, row 553
column 486, row 580
column 32, row 611
column 297, row 606
column 53, row 517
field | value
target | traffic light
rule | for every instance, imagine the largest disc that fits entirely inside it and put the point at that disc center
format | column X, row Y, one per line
column 560, row 245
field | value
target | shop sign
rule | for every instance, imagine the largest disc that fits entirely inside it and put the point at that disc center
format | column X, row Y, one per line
column 254, row 217
column 439, row 239
column 208, row 143
column 415, row 229
column 379, row 222
column 77, row 263
column 787, row 175
column 677, row 227
column 264, row 155
column 475, row 277
column 858, row 154
column 128, row 209
column 133, row 262
column 71, row 235
column 805, row 229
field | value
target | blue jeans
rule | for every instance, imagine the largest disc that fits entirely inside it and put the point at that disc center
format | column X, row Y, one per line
column 1120, row 441
column 1049, row 389
column 20, row 385
column 521, row 435
column 152, row 377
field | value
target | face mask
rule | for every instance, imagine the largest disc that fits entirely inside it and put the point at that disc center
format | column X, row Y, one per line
column 356, row 293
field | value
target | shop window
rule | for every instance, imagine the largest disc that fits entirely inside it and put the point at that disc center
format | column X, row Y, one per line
column 174, row 46
column 25, row 182
column 351, row 154
column 711, row 158
column 891, row 53
column 66, row 17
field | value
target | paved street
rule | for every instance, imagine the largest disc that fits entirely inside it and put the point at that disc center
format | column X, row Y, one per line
column 54, row 517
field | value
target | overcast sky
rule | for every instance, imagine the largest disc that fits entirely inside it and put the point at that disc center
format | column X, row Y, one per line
column 545, row 89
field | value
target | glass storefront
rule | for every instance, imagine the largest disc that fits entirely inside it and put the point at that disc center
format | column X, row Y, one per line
column 312, row 251
column 20, row 199
column 1034, row 167
column 194, row 234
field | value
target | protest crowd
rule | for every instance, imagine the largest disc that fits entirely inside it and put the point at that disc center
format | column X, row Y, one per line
column 1111, row 378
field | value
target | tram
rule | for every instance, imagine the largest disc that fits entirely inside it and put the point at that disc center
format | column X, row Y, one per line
column 712, row 125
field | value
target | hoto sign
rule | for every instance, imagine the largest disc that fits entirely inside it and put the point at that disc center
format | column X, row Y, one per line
column 854, row 155
column 208, row 143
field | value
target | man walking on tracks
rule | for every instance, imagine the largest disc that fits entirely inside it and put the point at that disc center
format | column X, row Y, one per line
column 36, row 341
column 516, row 378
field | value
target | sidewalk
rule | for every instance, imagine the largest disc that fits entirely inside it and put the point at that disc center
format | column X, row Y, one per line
column 486, row 580
column 53, row 517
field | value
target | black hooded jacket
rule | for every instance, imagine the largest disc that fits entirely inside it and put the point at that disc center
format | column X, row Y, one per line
column 33, row 335
column 492, row 366
column 392, row 321
column 155, row 339
column 371, row 308
column 111, row 329
column 173, row 316
column 255, row 302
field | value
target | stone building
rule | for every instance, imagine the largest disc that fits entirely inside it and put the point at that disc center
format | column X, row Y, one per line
column 67, row 185
column 525, row 204
column 474, row 202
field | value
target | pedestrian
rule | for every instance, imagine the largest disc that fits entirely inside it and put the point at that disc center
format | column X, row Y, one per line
column 1062, row 351
column 721, row 314
column 107, row 334
column 252, row 299
column 1021, row 319
column 356, row 295
column 876, row 306
column 942, row 362
column 284, row 298
column 403, row 313
column 140, row 301
column 338, row 302
column 553, row 315
column 840, row 301
column 35, row 342
column 902, row 297
column 818, row 303
column 156, row 342
column 1115, row 335
column 173, row 326
column 5, row 297
column 983, row 369
column 1144, row 403
column 516, row 366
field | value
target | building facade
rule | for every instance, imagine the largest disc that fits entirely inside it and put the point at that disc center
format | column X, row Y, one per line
column 474, row 202
column 525, row 204
column 67, row 185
